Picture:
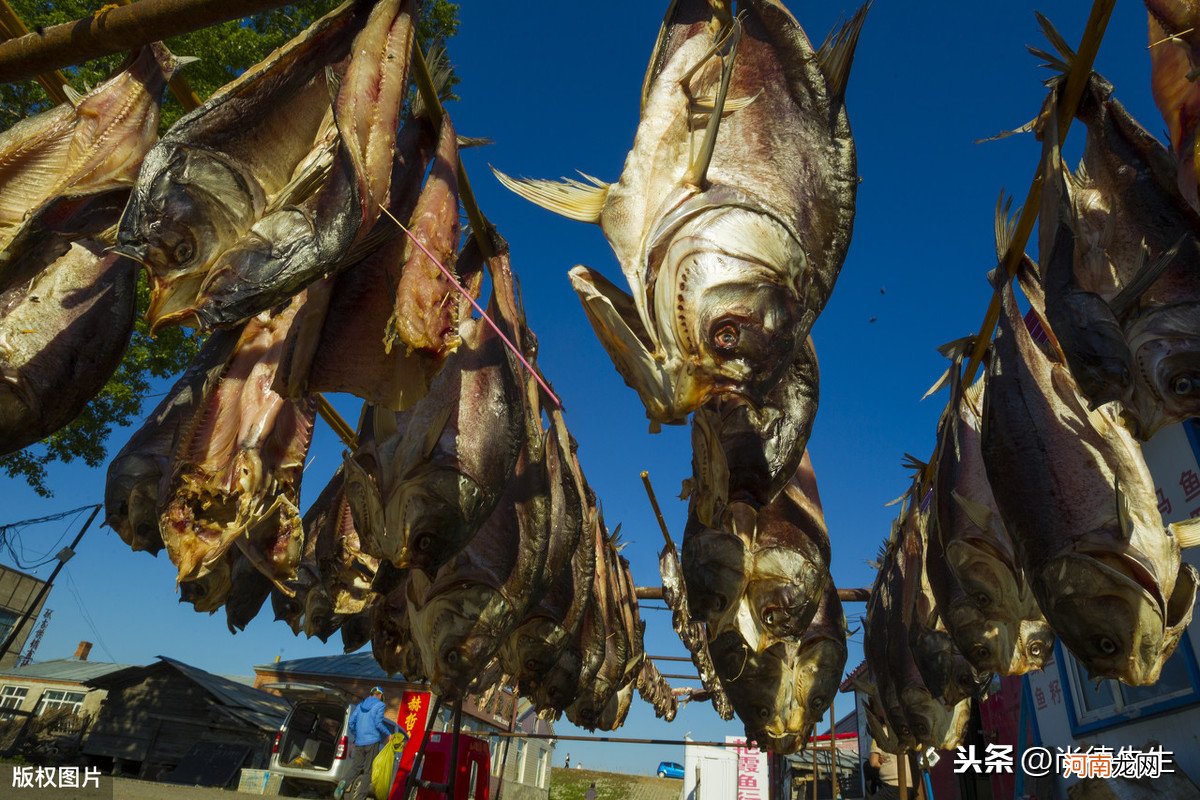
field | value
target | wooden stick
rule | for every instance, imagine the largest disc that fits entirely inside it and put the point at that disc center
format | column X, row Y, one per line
column 833, row 772
column 112, row 30
column 1068, row 102
column 662, row 523
column 179, row 86
column 433, row 104
column 11, row 27
column 845, row 595
column 328, row 413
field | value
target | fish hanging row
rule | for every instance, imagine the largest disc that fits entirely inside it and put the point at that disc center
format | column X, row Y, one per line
column 459, row 537
column 1041, row 519
column 730, row 222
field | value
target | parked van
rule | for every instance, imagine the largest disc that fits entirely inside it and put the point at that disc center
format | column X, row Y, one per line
column 312, row 747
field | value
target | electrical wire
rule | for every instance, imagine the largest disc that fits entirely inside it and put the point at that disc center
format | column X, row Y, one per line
column 11, row 541
column 87, row 618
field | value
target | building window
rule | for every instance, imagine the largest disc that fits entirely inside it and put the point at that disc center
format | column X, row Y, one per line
column 53, row 700
column 8, row 621
column 522, row 752
column 1097, row 704
column 12, row 697
column 543, row 757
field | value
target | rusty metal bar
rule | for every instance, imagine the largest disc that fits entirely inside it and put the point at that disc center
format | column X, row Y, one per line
column 610, row 739
column 845, row 595
column 1068, row 102
column 114, row 29
column 342, row 428
column 670, row 658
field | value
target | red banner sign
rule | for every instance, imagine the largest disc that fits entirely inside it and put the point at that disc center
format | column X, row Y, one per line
column 412, row 718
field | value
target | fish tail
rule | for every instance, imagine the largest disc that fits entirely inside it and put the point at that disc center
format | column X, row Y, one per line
column 835, row 56
column 570, row 198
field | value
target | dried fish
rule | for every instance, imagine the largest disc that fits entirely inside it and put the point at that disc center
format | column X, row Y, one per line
column 729, row 237
column 1106, row 573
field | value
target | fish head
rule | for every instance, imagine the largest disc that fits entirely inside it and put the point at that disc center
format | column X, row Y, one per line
column 189, row 207
column 947, row 673
column 818, row 674
column 435, row 513
column 531, row 651
column 460, row 624
column 612, row 716
column 209, row 591
column 1034, row 644
column 927, row 718
column 131, row 500
column 1166, row 352
column 759, row 685
column 560, row 684
column 1103, row 607
column 723, row 307
column 784, row 591
column 714, row 570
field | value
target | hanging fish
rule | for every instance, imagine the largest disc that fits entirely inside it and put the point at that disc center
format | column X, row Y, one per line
column 743, row 453
column 419, row 495
column 988, row 605
column 1174, row 60
column 220, row 218
column 91, row 145
column 236, row 475
column 729, row 235
column 138, row 475
column 1107, row 573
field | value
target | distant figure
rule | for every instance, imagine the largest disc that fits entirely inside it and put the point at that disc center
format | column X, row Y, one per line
column 883, row 775
column 579, row 765
column 568, row 764
column 368, row 731
column 590, row 794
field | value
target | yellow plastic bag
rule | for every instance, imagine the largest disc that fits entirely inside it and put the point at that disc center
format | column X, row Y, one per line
column 383, row 768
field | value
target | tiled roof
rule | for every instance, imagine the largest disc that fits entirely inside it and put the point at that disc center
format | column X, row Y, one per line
column 857, row 672
column 353, row 665
column 63, row 669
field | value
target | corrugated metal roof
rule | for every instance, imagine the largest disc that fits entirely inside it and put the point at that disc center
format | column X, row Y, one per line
column 251, row 705
column 63, row 669
column 354, row 665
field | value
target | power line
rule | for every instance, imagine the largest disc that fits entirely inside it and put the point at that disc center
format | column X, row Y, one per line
column 87, row 618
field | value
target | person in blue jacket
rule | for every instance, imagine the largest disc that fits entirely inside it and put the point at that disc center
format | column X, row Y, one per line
column 368, row 733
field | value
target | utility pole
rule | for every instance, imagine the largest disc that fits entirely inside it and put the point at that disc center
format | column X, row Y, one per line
column 63, row 556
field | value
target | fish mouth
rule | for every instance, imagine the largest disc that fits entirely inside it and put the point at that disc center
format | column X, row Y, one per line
column 173, row 302
column 464, row 625
column 1108, row 618
column 784, row 591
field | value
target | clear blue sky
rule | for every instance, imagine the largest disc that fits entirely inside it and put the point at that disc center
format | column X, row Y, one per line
column 556, row 85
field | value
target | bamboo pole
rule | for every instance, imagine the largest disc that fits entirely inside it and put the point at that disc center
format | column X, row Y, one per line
column 902, row 774
column 114, row 29
column 1068, row 102
column 12, row 27
column 833, row 770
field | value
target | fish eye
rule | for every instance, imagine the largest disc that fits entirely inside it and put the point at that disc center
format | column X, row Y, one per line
column 424, row 543
column 771, row 616
column 818, row 703
column 764, row 712
column 451, row 657
column 982, row 599
column 183, row 252
column 979, row 652
column 531, row 665
column 1036, row 649
column 726, row 336
column 1105, row 646
column 1183, row 385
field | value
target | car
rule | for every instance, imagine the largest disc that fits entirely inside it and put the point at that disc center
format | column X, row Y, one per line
column 312, row 747
column 669, row 769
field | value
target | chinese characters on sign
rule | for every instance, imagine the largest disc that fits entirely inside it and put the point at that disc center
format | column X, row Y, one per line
column 412, row 717
column 1070, row 762
column 751, row 770
column 31, row 777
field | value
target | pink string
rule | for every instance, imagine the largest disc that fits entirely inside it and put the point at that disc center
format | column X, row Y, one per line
column 478, row 308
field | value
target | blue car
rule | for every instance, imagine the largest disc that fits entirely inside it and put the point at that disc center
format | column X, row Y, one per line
column 669, row 769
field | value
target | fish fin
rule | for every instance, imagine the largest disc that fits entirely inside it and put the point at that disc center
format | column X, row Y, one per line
column 465, row 142
column 1186, row 532
column 1148, row 272
column 909, row 461
column 995, row 137
column 73, row 96
column 570, row 198
column 614, row 318
column 708, row 104
column 697, row 171
column 1063, row 56
column 835, row 56
column 979, row 514
column 955, row 351
column 1005, row 225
